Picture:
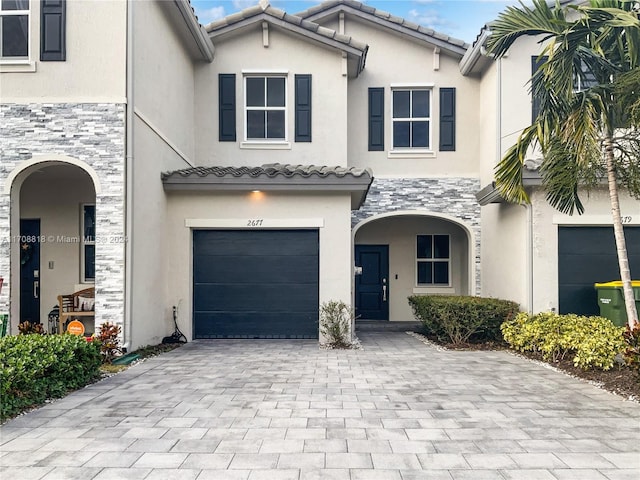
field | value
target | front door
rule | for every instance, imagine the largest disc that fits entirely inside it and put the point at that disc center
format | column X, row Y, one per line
column 30, row 270
column 372, row 286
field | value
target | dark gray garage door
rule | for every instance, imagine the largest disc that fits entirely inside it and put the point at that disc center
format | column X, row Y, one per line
column 587, row 255
column 255, row 284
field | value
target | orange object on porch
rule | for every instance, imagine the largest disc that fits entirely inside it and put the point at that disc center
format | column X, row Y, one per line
column 75, row 327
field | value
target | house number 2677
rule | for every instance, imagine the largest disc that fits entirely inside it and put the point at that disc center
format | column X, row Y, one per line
column 254, row 223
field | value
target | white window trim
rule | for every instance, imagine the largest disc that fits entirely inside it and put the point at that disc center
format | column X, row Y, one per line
column 17, row 62
column 439, row 260
column 275, row 143
column 83, row 242
column 411, row 152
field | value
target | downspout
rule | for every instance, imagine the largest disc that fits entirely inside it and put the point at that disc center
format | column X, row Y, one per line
column 128, row 263
column 529, row 208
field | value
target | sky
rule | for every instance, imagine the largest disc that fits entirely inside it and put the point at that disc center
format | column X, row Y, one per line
column 457, row 18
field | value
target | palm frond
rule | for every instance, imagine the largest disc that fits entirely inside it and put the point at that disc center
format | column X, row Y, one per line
column 508, row 172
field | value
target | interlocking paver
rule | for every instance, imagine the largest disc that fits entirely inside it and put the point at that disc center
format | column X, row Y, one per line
column 397, row 409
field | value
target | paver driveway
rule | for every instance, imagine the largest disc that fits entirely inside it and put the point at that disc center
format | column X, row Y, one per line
column 279, row 409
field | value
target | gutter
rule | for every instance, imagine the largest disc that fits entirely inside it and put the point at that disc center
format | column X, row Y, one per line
column 473, row 54
column 199, row 34
column 128, row 262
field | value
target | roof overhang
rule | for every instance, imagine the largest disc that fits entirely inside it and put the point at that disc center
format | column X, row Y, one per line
column 282, row 178
column 388, row 21
column 355, row 51
column 189, row 29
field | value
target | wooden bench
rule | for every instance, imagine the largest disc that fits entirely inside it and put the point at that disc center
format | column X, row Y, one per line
column 75, row 305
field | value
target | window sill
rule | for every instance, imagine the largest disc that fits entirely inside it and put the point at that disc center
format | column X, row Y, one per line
column 265, row 145
column 410, row 153
column 21, row 67
column 434, row 289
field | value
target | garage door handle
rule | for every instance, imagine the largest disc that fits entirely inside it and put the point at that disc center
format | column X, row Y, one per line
column 384, row 289
column 35, row 289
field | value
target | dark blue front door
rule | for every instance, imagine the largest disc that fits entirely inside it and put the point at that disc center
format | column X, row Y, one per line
column 372, row 287
column 30, row 270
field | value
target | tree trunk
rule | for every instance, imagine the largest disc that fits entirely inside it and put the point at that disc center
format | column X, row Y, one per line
column 621, row 245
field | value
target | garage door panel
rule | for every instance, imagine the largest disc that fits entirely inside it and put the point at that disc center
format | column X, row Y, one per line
column 587, row 255
column 261, row 243
column 255, row 284
column 256, row 325
column 241, row 269
column 271, row 298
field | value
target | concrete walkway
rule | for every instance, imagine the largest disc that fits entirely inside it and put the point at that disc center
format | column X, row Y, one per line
column 279, row 409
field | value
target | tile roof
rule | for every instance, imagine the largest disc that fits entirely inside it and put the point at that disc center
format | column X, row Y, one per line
column 265, row 9
column 271, row 170
column 384, row 16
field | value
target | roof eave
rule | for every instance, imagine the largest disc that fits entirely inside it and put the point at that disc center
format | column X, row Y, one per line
column 358, row 187
column 456, row 50
column 474, row 53
column 197, row 32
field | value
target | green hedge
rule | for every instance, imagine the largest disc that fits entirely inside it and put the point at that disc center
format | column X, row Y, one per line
column 36, row 367
column 461, row 319
column 592, row 341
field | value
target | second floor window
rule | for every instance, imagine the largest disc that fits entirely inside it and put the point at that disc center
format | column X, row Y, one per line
column 14, row 29
column 412, row 118
column 265, row 105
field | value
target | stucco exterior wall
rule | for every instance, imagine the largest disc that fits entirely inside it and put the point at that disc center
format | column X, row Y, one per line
column 91, row 136
column 95, row 66
column 335, row 242
column 163, row 140
column 392, row 59
column 285, row 53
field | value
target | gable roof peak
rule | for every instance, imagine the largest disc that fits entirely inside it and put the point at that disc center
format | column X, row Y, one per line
column 264, row 4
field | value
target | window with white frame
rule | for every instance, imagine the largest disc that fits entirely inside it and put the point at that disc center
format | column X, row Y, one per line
column 88, row 244
column 411, row 118
column 433, row 260
column 14, row 30
column 265, row 107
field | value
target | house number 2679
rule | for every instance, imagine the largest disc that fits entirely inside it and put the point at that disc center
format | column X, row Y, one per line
column 254, row 223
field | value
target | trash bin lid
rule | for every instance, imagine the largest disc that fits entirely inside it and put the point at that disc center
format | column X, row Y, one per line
column 617, row 284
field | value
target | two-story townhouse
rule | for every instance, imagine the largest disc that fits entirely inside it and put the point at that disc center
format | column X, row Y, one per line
column 533, row 254
column 91, row 115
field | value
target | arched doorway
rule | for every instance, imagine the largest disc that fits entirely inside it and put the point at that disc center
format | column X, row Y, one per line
column 409, row 253
column 53, row 224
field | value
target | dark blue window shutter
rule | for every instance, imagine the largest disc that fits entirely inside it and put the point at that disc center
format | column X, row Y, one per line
column 53, row 31
column 303, row 108
column 447, row 119
column 376, row 119
column 536, row 63
column 227, row 107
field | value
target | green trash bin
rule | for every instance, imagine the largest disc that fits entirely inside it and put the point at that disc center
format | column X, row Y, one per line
column 611, row 300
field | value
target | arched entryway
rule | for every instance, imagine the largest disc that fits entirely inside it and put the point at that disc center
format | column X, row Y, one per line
column 408, row 253
column 53, row 236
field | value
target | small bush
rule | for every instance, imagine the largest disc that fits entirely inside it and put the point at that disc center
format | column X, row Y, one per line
column 28, row 328
column 335, row 323
column 36, row 367
column 109, row 341
column 461, row 319
column 593, row 341
column 631, row 353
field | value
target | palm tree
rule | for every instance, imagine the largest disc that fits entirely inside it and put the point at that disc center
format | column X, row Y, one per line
column 585, row 134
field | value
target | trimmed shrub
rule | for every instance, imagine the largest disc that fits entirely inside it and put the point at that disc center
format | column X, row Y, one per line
column 462, row 319
column 592, row 341
column 34, row 368
column 335, row 323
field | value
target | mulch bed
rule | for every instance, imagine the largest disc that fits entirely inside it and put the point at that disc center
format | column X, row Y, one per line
column 620, row 379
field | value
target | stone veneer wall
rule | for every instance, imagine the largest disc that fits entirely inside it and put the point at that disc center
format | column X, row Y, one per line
column 94, row 134
column 454, row 197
